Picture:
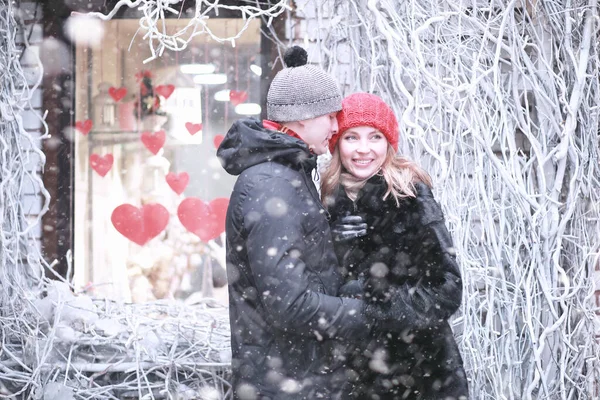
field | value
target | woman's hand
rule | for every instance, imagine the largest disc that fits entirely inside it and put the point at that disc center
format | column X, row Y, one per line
column 404, row 309
column 348, row 227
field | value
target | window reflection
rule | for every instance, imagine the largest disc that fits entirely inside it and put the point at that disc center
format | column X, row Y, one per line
column 145, row 142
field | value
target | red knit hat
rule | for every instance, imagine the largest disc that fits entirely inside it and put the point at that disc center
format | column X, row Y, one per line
column 365, row 109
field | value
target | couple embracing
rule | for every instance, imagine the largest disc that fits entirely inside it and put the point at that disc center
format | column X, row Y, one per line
column 346, row 293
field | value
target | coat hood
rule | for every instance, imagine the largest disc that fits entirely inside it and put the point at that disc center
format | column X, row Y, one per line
column 248, row 143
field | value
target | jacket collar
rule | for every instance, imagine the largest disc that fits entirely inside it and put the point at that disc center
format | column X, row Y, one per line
column 249, row 143
column 371, row 194
column 276, row 126
column 369, row 198
column 309, row 163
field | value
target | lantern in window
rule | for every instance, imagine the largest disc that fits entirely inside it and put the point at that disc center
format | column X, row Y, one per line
column 105, row 109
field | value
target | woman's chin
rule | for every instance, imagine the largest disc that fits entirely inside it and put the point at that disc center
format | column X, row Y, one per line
column 362, row 173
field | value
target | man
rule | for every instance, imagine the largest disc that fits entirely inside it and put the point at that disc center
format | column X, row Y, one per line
column 281, row 266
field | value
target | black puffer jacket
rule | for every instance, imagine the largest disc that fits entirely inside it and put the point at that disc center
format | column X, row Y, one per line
column 282, row 271
column 407, row 248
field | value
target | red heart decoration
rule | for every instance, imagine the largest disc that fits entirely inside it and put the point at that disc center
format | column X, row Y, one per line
column 84, row 126
column 237, row 97
column 207, row 221
column 165, row 90
column 154, row 141
column 178, row 182
column 101, row 164
column 140, row 224
column 218, row 140
column 193, row 128
column 117, row 93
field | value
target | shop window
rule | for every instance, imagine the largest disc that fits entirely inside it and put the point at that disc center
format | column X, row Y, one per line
column 149, row 191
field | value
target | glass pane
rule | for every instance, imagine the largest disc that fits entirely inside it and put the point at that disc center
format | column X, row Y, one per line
column 141, row 128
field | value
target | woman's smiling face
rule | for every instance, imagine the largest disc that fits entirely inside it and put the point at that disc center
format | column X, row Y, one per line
column 363, row 150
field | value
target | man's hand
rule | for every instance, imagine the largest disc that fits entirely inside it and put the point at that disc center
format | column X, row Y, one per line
column 348, row 227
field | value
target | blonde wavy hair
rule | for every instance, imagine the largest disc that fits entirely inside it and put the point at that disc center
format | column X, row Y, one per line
column 400, row 174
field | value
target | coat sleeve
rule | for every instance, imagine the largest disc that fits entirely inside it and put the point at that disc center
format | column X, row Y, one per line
column 439, row 286
column 276, row 246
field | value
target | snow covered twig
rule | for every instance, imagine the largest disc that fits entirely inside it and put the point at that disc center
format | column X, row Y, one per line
column 154, row 22
column 499, row 102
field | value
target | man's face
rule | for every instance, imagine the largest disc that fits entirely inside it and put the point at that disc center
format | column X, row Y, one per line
column 317, row 131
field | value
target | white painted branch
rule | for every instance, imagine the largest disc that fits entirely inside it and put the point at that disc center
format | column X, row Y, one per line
column 484, row 91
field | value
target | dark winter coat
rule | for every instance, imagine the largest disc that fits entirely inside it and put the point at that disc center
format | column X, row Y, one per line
column 407, row 247
column 282, row 271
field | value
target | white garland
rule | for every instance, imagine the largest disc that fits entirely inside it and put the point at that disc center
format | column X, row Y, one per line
column 465, row 78
column 55, row 344
column 154, row 21
column 20, row 260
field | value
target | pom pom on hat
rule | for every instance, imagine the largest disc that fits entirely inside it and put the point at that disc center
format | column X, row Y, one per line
column 295, row 56
column 365, row 109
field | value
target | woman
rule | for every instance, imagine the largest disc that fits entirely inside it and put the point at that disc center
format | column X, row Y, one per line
column 406, row 256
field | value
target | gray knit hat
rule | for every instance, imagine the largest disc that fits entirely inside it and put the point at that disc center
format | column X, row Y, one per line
column 301, row 91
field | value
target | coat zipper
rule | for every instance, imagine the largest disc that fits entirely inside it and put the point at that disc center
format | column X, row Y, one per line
column 315, row 195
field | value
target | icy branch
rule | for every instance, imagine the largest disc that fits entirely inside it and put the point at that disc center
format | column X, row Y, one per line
column 499, row 102
column 56, row 344
column 154, row 22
